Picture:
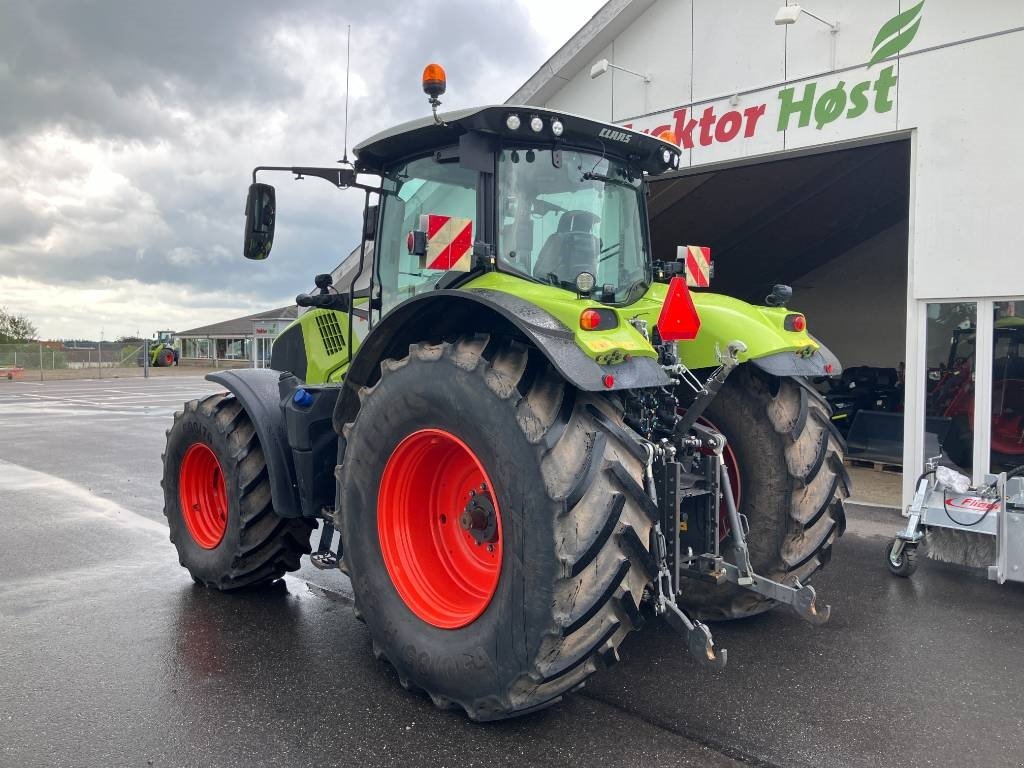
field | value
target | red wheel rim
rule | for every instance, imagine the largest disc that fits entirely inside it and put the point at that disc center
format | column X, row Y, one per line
column 439, row 528
column 204, row 499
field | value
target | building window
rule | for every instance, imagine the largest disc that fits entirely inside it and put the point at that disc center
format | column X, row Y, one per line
column 232, row 349
column 949, row 394
column 197, row 349
column 1007, row 441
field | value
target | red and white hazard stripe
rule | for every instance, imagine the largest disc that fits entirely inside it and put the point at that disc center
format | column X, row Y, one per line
column 698, row 264
column 449, row 242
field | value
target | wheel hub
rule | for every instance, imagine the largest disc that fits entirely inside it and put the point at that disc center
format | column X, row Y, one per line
column 478, row 518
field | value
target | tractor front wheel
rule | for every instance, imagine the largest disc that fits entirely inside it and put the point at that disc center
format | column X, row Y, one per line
column 496, row 532
column 217, row 499
column 790, row 483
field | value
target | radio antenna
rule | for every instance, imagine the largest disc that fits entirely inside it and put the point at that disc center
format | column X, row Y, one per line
column 348, row 67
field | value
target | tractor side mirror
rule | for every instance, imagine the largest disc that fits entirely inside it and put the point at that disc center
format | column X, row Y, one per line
column 260, row 212
column 370, row 223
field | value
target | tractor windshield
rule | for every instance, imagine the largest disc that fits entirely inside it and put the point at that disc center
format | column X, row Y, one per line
column 566, row 212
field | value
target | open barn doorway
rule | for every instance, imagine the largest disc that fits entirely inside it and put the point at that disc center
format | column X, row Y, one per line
column 833, row 225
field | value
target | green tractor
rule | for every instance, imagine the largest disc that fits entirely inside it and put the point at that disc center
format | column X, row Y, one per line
column 528, row 432
column 162, row 353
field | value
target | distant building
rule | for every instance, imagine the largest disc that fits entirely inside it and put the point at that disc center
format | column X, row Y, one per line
column 243, row 341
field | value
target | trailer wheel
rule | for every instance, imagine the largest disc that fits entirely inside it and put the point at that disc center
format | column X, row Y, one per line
column 217, row 499
column 903, row 564
column 792, row 483
column 496, row 531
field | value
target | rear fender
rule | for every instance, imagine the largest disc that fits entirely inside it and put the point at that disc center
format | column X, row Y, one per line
column 769, row 346
column 443, row 314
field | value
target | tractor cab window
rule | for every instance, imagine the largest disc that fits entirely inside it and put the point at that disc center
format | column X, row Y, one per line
column 430, row 207
column 571, row 212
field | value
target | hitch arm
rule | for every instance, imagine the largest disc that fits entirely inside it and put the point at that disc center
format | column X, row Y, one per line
column 710, row 389
column 801, row 598
column 696, row 634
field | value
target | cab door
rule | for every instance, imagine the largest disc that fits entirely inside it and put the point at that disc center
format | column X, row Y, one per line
column 428, row 226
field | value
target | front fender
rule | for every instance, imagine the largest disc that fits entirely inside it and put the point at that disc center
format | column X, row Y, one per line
column 257, row 391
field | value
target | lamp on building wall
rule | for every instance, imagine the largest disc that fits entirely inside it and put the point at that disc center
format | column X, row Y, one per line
column 788, row 14
column 603, row 65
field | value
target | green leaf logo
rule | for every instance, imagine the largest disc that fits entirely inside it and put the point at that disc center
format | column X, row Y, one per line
column 896, row 34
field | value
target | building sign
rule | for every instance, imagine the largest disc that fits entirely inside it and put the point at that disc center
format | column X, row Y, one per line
column 799, row 106
column 265, row 329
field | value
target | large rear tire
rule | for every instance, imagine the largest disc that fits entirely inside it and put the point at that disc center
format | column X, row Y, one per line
column 217, row 499
column 505, row 634
column 792, row 483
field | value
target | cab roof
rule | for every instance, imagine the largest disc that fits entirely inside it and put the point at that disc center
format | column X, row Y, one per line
column 424, row 135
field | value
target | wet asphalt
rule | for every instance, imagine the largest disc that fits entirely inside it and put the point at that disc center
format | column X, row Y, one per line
column 111, row 656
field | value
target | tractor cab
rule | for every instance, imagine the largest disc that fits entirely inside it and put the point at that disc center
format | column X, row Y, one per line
column 552, row 198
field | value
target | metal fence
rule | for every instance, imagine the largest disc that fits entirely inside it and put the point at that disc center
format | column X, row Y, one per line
column 42, row 361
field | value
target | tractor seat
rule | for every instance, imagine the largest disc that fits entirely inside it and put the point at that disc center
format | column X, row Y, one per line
column 571, row 249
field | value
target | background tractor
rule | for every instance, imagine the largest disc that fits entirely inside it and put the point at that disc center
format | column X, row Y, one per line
column 162, row 353
column 952, row 395
column 528, row 432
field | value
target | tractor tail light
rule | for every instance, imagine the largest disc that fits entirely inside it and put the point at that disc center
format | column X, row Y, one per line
column 678, row 320
column 795, row 322
column 598, row 319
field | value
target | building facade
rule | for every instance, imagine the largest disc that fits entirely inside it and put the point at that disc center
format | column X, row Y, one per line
column 241, row 342
column 867, row 154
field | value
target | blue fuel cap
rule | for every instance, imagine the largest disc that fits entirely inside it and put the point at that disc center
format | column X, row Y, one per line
column 302, row 398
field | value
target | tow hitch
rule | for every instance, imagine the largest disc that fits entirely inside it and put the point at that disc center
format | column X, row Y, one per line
column 687, row 478
column 697, row 635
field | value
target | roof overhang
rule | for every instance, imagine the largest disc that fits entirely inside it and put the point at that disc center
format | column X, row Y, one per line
column 580, row 51
column 425, row 135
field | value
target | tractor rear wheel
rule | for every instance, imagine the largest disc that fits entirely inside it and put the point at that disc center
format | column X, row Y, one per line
column 495, row 526
column 791, row 485
column 217, row 499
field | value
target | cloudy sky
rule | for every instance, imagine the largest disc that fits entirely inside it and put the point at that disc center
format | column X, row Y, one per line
column 128, row 130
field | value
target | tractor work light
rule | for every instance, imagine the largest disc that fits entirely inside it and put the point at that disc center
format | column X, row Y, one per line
column 556, row 127
column 536, row 124
column 666, row 157
column 513, row 122
column 585, row 282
